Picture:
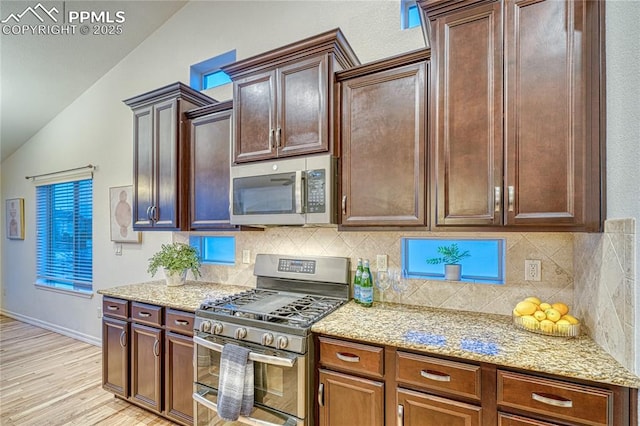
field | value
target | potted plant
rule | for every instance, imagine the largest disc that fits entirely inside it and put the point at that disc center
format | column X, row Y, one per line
column 176, row 259
column 451, row 257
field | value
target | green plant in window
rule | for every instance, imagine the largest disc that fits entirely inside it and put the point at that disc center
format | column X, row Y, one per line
column 451, row 255
column 175, row 257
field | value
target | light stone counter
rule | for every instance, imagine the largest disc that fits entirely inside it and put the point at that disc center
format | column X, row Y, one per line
column 186, row 297
column 475, row 336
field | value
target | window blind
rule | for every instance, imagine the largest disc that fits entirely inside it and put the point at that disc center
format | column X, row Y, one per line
column 64, row 233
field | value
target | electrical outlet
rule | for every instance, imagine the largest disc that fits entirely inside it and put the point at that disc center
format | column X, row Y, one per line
column 246, row 256
column 99, row 312
column 532, row 270
column 381, row 262
column 118, row 250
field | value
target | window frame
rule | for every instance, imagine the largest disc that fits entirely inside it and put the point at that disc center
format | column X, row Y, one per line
column 199, row 71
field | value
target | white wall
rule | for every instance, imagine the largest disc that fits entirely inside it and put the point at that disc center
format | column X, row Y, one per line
column 97, row 129
column 623, row 123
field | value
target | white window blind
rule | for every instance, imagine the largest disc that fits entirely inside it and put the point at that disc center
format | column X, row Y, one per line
column 64, row 234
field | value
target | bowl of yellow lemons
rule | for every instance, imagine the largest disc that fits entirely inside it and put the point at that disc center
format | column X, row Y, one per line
column 552, row 319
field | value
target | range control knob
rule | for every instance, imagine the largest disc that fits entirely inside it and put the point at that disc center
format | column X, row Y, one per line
column 217, row 328
column 205, row 326
column 267, row 339
column 282, row 342
column 241, row 333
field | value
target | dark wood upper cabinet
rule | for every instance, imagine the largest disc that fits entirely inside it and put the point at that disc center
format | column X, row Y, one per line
column 383, row 142
column 283, row 98
column 161, row 156
column 517, row 140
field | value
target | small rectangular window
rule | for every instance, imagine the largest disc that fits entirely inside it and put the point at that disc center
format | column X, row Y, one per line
column 410, row 14
column 216, row 250
column 484, row 265
column 64, row 246
column 214, row 79
column 208, row 74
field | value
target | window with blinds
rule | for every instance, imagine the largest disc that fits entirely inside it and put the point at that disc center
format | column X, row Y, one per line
column 64, row 234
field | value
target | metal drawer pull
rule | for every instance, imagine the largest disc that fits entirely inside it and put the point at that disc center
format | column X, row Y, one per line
column 181, row 322
column 123, row 340
column 279, row 137
column 112, row 308
column 400, row 415
column 497, row 199
column 347, row 357
column 149, row 213
column 144, row 314
column 321, row 395
column 271, row 132
column 556, row 401
column 512, row 196
column 156, row 348
column 435, row 375
column 344, row 204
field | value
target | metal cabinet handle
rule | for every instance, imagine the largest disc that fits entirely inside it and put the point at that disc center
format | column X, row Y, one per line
column 435, row 375
column 156, row 348
column 112, row 308
column 554, row 400
column 496, row 202
column 149, row 212
column 144, row 314
column 271, row 133
column 400, row 415
column 321, row 395
column 181, row 322
column 154, row 213
column 123, row 340
column 279, row 137
column 347, row 357
column 344, row 204
column 512, row 196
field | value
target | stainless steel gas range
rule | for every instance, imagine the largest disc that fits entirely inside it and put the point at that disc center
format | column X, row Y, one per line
column 274, row 321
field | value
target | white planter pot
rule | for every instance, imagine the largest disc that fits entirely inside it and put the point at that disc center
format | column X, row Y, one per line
column 452, row 272
column 175, row 278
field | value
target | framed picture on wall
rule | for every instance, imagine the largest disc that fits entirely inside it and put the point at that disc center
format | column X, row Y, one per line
column 121, row 216
column 15, row 218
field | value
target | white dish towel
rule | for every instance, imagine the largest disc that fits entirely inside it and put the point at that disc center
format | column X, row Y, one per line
column 235, row 387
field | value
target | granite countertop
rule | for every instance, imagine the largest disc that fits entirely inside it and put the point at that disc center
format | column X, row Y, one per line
column 186, row 297
column 475, row 336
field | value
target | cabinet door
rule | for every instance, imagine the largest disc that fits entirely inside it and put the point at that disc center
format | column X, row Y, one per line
column 416, row 409
column 210, row 162
column 546, row 109
column 254, row 116
column 165, row 121
column 303, row 118
column 349, row 400
column 143, row 167
column 115, row 356
column 384, row 148
column 467, row 115
column 146, row 366
column 178, row 378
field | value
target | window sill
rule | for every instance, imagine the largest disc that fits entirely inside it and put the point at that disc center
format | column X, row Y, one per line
column 64, row 289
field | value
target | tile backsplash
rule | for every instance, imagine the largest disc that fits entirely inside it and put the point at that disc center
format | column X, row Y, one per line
column 554, row 250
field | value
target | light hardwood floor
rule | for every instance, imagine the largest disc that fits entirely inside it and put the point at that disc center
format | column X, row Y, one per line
column 50, row 379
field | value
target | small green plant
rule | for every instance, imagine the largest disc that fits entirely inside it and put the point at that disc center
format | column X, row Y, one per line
column 450, row 255
column 175, row 257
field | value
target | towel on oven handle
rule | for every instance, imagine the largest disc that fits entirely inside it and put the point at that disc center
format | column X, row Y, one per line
column 235, row 387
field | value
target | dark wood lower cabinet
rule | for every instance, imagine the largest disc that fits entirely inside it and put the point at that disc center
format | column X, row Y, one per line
column 349, row 400
column 178, row 376
column 417, row 408
column 115, row 356
column 146, row 366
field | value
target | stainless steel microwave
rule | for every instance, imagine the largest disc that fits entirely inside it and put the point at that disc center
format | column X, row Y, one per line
column 294, row 191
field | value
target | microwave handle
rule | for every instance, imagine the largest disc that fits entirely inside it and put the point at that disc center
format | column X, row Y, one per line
column 253, row 356
column 299, row 192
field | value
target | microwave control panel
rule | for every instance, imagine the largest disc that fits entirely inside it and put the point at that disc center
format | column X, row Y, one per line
column 316, row 191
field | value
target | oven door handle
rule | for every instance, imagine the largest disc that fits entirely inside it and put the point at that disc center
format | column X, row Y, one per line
column 253, row 356
column 242, row 419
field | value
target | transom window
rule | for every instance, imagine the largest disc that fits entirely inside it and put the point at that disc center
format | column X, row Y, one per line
column 410, row 14
column 207, row 74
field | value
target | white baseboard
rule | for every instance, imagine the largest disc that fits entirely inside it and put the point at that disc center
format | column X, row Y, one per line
column 53, row 327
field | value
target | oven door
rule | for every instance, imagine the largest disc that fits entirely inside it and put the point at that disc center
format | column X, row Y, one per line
column 280, row 378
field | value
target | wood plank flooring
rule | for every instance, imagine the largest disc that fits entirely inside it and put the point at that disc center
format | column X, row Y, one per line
column 50, row 379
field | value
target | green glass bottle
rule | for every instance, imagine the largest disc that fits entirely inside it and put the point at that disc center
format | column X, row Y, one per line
column 366, row 286
column 357, row 282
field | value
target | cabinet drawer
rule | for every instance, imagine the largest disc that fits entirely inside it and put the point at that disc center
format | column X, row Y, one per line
column 179, row 321
column 146, row 314
column 355, row 357
column 511, row 420
column 438, row 374
column 116, row 308
column 566, row 401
